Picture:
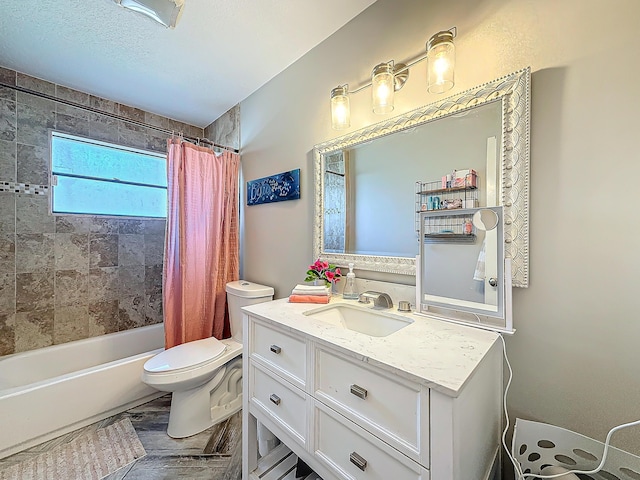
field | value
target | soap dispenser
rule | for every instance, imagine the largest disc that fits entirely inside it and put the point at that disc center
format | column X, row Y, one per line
column 349, row 292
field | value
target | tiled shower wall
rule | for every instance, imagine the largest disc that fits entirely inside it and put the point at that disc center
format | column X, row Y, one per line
column 64, row 278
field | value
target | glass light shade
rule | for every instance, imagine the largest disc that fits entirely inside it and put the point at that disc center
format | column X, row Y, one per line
column 166, row 12
column 382, row 88
column 340, row 109
column 441, row 59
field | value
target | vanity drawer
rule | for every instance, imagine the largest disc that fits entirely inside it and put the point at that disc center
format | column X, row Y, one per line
column 283, row 402
column 392, row 408
column 284, row 353
column 354, row 454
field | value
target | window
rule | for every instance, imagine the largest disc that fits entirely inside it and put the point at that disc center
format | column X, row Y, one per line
column 97, row 178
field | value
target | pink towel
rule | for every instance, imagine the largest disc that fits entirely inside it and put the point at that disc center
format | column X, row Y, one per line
column 308, row 299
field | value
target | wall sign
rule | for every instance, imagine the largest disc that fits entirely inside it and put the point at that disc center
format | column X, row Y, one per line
column 275, row 188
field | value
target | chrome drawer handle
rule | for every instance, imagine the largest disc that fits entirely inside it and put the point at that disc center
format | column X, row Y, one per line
column 358, row 461
column 275, row 398
column 358, row 391
column 275, row 349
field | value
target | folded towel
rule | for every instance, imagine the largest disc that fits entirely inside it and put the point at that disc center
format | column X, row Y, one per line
column 309, row 299
column 301, row 289
column 321, row 293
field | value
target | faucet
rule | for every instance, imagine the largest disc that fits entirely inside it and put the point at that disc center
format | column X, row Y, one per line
column 379, row 299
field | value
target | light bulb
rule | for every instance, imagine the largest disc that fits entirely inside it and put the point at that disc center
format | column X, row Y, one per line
column 382, row 89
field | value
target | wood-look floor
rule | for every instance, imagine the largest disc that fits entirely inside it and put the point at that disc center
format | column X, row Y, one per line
column 214, row 454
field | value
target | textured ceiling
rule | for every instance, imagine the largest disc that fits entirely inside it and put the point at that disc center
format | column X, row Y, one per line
column 220, row 52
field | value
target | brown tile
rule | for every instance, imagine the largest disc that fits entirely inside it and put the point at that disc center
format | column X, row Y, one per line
column 35, row 84
column 72, row 251
column 103, row 317
column 131, row 280
column 7, row 292
column 104, row 225
column 70, row 323
column 32, row 214
column 103, row 250
column 154, row 226
column 7, row 160
column 132, row 226
column 153, row 249
column 132, row 135
column 153, row 279
column 34, row 252
column 72, row 124
column 33, row 122
column 33, row 329
column 153, row 309
column 73, row 224
column 71, row 288
column 7, row 212
column 103, row 104
column 8, row 77
column 103, row 284
column 130, row 250
column 34, row 291
column 8, row 120
column 32, row 164
column 131, row 312
column 7, row 334
column 131, row 113
column 156, row 120
column 71, row 95
column 103, row 128
column 7, row 252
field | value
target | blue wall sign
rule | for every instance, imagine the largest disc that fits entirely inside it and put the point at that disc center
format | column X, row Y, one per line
column 276, row 188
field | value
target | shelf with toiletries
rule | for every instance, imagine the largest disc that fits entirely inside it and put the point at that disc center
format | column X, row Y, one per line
column 454, row 192
column 448, row 225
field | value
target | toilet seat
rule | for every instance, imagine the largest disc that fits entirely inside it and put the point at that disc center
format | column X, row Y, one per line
column 185, row 357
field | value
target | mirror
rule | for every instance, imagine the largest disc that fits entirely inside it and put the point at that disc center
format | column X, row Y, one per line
column 366, row 207
column 485, row 219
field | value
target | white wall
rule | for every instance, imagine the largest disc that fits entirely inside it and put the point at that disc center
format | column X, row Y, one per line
column 576, row 352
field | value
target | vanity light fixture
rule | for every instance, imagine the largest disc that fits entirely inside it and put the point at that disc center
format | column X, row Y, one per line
column 389, row 77
column 165, row 12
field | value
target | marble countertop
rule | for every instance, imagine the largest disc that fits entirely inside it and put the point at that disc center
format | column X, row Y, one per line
column 435, row 353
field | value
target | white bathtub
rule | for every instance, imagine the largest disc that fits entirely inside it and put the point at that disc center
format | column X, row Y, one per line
column 51, row 391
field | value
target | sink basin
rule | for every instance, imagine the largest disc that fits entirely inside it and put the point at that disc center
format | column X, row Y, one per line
column 375, row 323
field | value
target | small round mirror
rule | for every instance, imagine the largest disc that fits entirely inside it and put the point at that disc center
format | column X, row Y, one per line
column 485, row 219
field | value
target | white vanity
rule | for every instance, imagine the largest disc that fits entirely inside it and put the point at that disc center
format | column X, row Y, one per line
column 423, row 402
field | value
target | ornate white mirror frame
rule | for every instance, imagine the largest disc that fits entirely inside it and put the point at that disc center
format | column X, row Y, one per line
column 513, row 91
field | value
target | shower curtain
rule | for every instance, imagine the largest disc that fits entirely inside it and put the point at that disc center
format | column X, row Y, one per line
column 201, row 245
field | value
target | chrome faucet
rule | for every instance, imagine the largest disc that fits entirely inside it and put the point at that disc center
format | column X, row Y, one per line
column 379, row 299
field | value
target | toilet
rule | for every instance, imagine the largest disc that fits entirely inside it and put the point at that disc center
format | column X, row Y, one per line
column 205, row 376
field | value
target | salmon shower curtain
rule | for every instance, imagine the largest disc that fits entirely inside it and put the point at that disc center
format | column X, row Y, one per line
column 201, row 246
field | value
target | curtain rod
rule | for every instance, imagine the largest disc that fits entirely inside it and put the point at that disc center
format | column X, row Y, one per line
column 118, row 117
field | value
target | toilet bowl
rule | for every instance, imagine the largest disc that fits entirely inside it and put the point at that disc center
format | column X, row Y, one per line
column 205, row 376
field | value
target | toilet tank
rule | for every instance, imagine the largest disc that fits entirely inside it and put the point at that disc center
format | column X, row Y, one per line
column 241, row 294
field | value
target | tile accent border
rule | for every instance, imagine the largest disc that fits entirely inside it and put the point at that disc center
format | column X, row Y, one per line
column 13, row 187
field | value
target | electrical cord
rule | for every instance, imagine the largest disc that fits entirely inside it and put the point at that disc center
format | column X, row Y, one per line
column 520, row 475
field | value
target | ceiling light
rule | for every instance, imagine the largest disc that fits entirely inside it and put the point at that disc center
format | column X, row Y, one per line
column 340, row 111
column 166, row 12
column 441, row 59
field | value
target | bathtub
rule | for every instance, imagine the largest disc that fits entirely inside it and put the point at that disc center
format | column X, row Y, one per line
column 54, row 390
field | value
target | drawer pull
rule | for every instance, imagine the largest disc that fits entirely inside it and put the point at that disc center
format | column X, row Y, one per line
column 358, row 461
column 358, row 391
column 275, row 349
column 275, row 398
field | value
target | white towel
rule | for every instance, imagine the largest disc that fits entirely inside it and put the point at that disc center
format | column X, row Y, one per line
column 310, row 290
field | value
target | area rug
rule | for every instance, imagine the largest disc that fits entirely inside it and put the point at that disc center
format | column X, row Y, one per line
column 91, row 456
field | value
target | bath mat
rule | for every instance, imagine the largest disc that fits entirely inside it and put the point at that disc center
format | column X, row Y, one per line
column 91, row 456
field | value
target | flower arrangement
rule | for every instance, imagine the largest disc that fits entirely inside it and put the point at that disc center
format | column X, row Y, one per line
column 323, row 271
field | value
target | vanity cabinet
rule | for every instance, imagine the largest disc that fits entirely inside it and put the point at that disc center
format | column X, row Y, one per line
column 352, row 419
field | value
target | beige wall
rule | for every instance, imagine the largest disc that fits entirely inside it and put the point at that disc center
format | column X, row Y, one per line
column 576, row 352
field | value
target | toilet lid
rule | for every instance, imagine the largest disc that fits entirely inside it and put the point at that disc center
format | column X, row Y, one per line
column 187, row 355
